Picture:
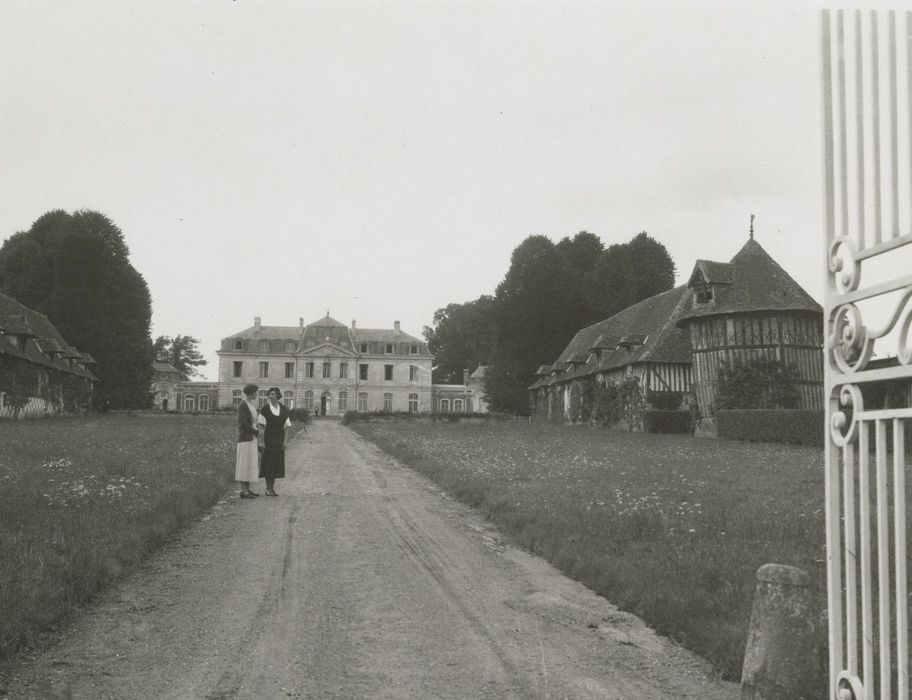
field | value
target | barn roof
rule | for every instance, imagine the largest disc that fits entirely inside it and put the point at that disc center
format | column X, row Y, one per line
column 756, row 283
column 644, row 332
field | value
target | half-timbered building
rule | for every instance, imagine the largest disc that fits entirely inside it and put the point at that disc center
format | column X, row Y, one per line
column 675, row 342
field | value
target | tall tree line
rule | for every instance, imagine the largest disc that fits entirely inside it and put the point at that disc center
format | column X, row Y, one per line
column 549, row 292
column 75, row 269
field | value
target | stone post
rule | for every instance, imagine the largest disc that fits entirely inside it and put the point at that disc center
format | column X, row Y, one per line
column 781, row 660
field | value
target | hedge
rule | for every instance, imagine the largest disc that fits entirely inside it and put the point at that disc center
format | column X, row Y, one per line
column 793, row 426
column 657, row 421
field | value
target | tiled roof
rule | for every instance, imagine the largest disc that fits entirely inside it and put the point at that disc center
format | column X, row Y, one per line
column 328, row 321
column 480, row 371
column 270, row 333
column 164, row 367
column 17, row 325
column 758, row 283
column 654, row 319
column 382, row 335
column 39, row 323
column 49, row 346
column 713, row 272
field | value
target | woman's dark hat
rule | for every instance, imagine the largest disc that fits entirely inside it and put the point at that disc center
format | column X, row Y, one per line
column 251, row 389
column 276, row 390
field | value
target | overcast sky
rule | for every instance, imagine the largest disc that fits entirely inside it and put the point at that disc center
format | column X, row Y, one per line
column 380, row 160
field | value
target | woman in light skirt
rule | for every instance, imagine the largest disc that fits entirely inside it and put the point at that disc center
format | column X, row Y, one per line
column 247, row 469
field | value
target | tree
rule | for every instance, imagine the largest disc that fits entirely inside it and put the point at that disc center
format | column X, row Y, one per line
column 181, row 352
column 461, row 338
column 652, row 265
column 75, row 269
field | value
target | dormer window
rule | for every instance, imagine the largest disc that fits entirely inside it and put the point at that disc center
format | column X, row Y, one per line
column 238, row 344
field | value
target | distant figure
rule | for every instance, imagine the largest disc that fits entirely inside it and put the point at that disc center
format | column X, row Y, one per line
column 247, row 468
column 274, row 422
column 316, row 410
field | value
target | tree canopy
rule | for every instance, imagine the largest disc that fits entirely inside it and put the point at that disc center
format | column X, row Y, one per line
column 551, row 291
column 181, row 352
column 75, row 269
column 461, row 338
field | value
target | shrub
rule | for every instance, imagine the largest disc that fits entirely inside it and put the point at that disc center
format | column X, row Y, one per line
column 757, row 384
column 657, row 421
column 791, row 426
column 302, row 415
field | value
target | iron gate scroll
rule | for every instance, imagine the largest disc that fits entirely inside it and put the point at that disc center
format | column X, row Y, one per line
column 867, row 127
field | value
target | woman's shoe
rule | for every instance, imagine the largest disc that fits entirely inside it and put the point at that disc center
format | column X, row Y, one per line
column 247, row 494
column 271, row 493
column 254, row 494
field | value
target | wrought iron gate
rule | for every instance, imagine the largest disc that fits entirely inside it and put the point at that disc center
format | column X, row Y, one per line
column 867, row 124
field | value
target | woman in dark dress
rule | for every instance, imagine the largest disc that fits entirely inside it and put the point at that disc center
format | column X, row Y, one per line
column 274, row 421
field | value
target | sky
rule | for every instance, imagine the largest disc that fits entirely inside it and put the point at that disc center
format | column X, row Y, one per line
column 380, row 160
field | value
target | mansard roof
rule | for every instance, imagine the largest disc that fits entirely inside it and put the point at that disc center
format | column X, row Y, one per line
column 652, row 321
column 757, row 283
column 383, row 335
column 328, row 321
column 16, row 325
column 270, row 333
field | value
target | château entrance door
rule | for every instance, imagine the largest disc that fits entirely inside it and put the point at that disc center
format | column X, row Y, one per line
column 867, row 123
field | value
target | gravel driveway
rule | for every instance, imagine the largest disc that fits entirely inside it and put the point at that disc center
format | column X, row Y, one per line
column 362, row 580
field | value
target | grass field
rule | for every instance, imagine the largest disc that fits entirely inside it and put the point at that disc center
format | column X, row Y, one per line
column 666, row 526
column 82, row 500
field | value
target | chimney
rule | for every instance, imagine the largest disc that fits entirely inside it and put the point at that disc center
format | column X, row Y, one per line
column 301, row 322
column 353, row 324
column 396, row 326
column 465, row 376
column 256, row 324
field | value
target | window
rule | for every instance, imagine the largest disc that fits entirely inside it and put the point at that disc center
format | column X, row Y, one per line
column 413, row 403
column 388, row 372
column 444, row 405
column 413, row 373
column 289, row 399
column 289, row 346
column 289, row 370
column 308, row 399
column 457, row 405
column 236, row 397
column 363, row 347
column 327, row 370
column 387, row 402
column 343, row 401
column 264, row 369
column 238, row 368
column 264, row 346
column 362, row 401
column 389, row 348
column 261, row 398
column 188, row 403
column 238, row 344
column 413, row 349
column 309, row 370
column 204, row 402
column 343, row 370
column 703, row 293
column 362, row 372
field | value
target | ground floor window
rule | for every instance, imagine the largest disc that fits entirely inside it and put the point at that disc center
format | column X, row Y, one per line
column 262, row 397
column 362, row 401
column 204, row 402
column 387, row 402
column 308, row 399
column 444, row 405
column 343, row 401
column 236, row 397
column 188, row 403
column 413, row 403
column 457, row 405
column 289, row 399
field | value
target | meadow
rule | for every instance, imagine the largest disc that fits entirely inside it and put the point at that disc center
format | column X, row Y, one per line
column 668, row 527
column 83, row 500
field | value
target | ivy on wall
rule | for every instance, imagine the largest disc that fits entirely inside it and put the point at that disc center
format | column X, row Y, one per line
column 757, row 384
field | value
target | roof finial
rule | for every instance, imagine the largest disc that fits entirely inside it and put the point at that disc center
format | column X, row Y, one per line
column 752, row 227
column 327, row 310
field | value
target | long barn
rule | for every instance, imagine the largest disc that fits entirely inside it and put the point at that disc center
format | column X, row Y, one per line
column 675, row 342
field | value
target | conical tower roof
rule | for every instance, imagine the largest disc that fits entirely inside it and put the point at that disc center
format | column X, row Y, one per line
column 758, row 283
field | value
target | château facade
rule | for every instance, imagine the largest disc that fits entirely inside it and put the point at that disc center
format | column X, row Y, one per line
column 328, row 367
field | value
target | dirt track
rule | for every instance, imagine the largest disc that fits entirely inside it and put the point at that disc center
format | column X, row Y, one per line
column 362, row 580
